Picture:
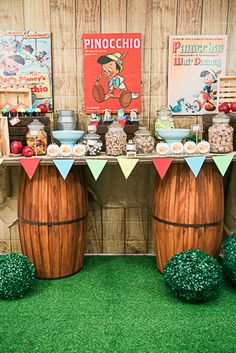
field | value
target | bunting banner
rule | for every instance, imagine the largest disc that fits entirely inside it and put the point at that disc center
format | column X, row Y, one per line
column 195, row 164
column 162, row 165
column 127, row 165
column 223, row 162
column 63, row 166
column 1, row 160
column 30, row 165
column 96, row 166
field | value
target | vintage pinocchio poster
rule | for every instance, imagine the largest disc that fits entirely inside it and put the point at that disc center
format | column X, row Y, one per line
column 112, row 72
column 195, row 64
column 25, row 61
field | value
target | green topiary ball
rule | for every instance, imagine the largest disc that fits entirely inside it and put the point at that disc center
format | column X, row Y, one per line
column 229, row 258
column 193, row 275
column 17, row 275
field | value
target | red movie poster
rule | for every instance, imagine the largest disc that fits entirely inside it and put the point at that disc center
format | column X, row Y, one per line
column 112, row 72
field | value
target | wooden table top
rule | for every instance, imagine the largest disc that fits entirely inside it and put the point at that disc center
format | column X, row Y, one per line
column 46, row 160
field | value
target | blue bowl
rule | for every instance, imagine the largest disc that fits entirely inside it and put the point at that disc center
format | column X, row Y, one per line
column 68, row 137
column 173, row 135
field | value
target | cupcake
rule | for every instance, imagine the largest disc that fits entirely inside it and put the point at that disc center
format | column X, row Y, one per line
column 203, row 147
column 65, row 150
column 190, row 147
column 177, row 147
column 53, row 150
column 162, row 148
column 79, row 150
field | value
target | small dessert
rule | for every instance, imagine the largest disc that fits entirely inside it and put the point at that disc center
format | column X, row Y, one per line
column 162, row 148
column 65, row 150
column 53, row 150
column 121, row 117
column 177, row 147
column 107, row 118
column 79, row 150
column 190, row 147
column 203, row 147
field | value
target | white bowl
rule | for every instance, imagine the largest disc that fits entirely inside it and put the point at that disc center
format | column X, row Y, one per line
column 173, row 135
column 68, row 137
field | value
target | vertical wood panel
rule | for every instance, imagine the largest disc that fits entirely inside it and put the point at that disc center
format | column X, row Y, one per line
column 113, row 230
column 231, row 31
column 214, row 17
column 163, row 25
column 35, row 22
column 189, row 14
column 11, row 18
column 113, row 15
column 139, row 19
column 88, row 20
column 64, row 54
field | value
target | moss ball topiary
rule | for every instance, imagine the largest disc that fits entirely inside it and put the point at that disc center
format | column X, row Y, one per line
column 193, row 276
column 17, row 275
column 229, row 258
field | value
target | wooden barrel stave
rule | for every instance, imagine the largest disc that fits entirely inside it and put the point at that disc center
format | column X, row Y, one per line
column 183, row 199
column 56, row 250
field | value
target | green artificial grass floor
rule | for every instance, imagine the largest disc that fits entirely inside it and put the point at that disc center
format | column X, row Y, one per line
column 116, row 304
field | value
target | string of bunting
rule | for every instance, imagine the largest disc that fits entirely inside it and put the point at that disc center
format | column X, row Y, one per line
column 127, row 165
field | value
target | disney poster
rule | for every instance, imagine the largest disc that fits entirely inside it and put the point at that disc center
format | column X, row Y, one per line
column 25, row 58
column 112, row 72
column 195, row 64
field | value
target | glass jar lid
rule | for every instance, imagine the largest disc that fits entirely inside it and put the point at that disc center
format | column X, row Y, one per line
column 221, row 118
column 115, row 126
column 92, row 136
column 142, row 131
column 35, row 125
column 164, row 113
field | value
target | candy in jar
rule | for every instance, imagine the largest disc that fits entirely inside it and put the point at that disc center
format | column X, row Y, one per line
column 37, row 137
column 115, row 140
column 92, row 142
column 145, row 143
column 163, row 121
column 220, row 134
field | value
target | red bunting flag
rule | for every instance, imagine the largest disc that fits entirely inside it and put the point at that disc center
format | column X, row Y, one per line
column 162, row 165
column 30, row 165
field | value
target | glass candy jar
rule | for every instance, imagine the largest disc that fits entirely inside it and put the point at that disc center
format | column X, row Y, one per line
column 163, row 121
column 145, row 143
column 37, row 137
column 115, row 140
column 220, row 134
column 92, row 142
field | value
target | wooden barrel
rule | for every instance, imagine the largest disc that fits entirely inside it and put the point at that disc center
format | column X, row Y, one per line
column 52, row 220
column 188, row 212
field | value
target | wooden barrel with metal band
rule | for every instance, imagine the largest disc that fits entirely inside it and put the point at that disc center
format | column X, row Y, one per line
column 52, row 216
column 188, row 212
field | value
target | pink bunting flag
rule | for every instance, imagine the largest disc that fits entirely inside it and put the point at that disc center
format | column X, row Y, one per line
column 162, row 165
column 30, row 165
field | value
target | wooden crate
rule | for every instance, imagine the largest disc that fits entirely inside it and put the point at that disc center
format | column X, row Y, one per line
column 18, row 132
column 226, row 91
column 15, row 98
column 4, row 137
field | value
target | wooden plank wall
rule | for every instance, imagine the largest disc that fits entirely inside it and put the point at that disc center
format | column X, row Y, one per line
column 120, row 211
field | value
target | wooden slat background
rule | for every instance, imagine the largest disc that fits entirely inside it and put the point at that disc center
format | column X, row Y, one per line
column 119, row 210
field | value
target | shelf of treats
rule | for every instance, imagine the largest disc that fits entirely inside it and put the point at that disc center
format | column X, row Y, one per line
column 46, row 160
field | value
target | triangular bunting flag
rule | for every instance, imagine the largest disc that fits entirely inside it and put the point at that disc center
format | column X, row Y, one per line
column 127, row 165
column 162, row 165
column 195, row 164
column 64, row 166
column 96, row 166
column 1, row 160
column 223, row 162
column 30, row 165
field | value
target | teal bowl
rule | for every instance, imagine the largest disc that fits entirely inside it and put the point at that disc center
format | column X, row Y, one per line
column 68, row 137
column 173, row 135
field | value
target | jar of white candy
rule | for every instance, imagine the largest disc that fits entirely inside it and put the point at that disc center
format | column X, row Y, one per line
column 220, row 134
column 115, row 140
column 92, row 142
